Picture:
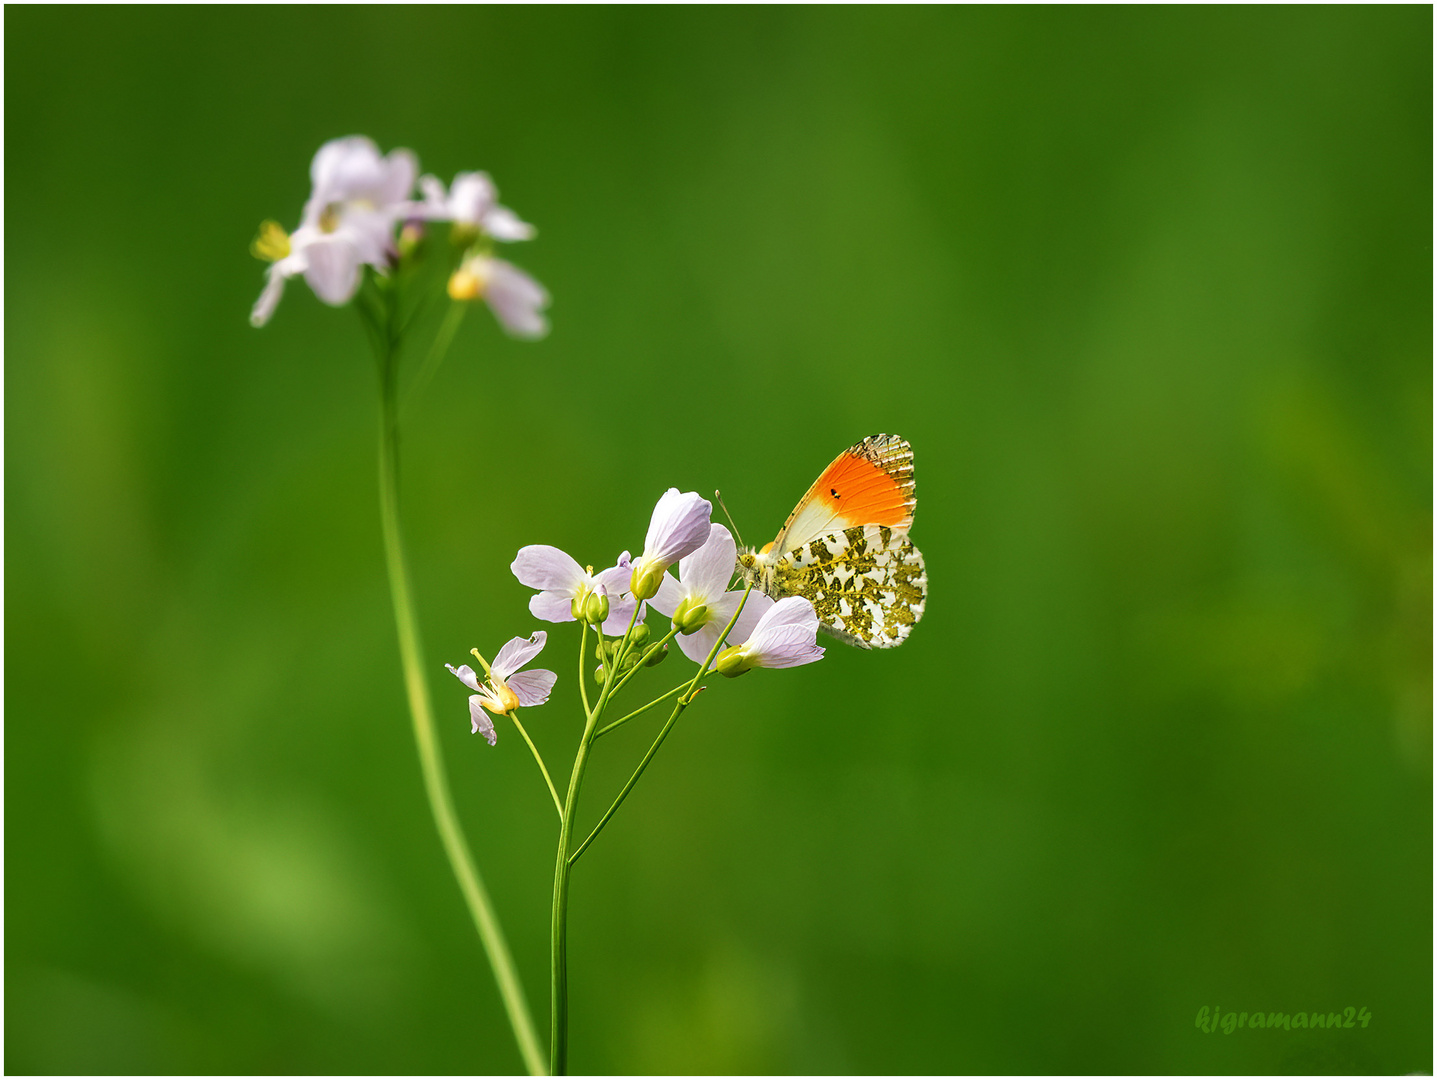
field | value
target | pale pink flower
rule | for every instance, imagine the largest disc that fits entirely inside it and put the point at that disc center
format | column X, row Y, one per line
column 785, row 636
column 679, row 527
column 563, row 582
column 700, row 602
column 507, row 687
column 357, row 198
column 515, row 298
column 471, row 200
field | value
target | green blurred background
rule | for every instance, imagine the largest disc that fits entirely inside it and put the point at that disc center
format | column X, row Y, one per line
column 1149, row 291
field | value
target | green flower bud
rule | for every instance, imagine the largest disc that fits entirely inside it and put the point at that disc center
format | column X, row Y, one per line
column 599, row 674
column 576, row 608
column 644, row 582
column 689, row 616
column 411, row 239
column 596, row 608
column 462, row 234
column 640, row 634
column 731, row 662
column 656, row 655
column 603, row 650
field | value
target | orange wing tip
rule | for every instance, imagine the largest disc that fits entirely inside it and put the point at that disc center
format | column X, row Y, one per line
column 863, row 491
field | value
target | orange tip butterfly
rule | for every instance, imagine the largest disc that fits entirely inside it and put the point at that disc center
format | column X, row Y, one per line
column 845, row 547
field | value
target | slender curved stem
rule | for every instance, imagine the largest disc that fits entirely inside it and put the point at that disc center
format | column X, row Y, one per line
column 559, row 806
column 447, row 329
column 639, row 711
column 481, row 908
column 685, row 700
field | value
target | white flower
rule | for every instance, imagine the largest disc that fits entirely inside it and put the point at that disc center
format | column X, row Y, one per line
column 784, row 637
column 507, row 687
column 698, row 602
column 513, row 296
column 679, row 527
column 472, row 200
column 348, row 222
column 564, row 584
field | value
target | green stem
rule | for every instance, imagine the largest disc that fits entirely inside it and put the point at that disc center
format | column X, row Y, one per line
column 559, row 914
column 430, row 761
column 685, row 700
column 447, row 329
column 639, row 711
column 559, row 806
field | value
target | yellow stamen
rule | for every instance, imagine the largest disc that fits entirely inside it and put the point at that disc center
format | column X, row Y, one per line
column 272, row 243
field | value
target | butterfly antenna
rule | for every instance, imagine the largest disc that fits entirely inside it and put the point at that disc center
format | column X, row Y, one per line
column 719, row 496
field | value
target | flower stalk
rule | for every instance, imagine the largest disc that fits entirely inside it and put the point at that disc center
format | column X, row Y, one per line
column 431, row 764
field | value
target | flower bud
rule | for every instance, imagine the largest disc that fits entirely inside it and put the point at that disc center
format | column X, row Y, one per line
column 596, row 608
column 689, row 616
column 644, row 581
column 462, row 234
column 576, row 608
column 640, row 634
column 599, row 674
column 732, row 662
column 656, row 655
column 411, row 239
column 464, row 284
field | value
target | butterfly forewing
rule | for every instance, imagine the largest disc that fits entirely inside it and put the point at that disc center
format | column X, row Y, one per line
column 867, row 583
column 870, row 483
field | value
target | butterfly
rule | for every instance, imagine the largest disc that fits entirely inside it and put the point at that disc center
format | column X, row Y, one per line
column 845, row 547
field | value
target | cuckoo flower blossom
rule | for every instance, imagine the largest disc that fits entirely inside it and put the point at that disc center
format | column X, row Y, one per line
column 785, row 637
column 348, row 221
column 507, row 687
column 679, row 527
column 699, row 603
column 516, row 299
column 566, row 587
column 472, row 201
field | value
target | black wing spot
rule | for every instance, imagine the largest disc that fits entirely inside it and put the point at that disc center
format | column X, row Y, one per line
column 834, row 493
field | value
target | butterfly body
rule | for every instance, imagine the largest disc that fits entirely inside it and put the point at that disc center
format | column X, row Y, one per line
column 845, row 547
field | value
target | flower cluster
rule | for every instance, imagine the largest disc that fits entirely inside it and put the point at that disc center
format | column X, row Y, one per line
column 703, row 610
column 360, row 198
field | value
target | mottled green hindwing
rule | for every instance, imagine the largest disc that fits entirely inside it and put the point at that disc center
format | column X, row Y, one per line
column 867, row 583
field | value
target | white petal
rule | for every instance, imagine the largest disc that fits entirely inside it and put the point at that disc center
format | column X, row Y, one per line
column 470, row 197
column 516, row 653
column 700, row 643
column 680, row 524
column 532, row 687
column 397, row 178
column 333, row 270
column 707, row 571
column 503, row 224
column 783, row 647
column 666, row 601
column 540, row 566
column 552, row 607
column 479, row 722
column 785, row 636
column 516, row 300
column 465, row 674
column 752, row 614
column 615, row 580
column 433, row 190
column 269, row 297
column 790, row 611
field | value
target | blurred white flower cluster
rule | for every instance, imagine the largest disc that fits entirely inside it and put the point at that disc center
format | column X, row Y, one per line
column 352, row 219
